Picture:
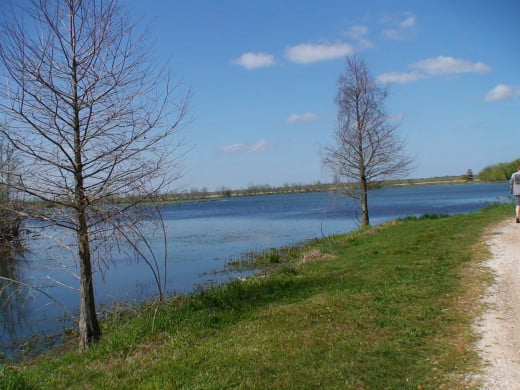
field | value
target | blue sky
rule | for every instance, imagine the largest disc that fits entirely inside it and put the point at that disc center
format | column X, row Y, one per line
column 263, row 76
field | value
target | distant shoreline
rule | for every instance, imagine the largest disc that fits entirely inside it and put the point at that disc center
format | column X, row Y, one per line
column 420, row 183
column 303, row 188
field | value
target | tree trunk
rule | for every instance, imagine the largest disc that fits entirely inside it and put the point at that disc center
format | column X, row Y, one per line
column 364, row 202
column 89, row 329
column 88, row 325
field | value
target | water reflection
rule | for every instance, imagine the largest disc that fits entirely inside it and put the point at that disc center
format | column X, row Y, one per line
column 13, row 293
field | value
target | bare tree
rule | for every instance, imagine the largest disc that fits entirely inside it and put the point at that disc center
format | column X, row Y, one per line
column 367, row 146
column 92, row 118
column 9, row 221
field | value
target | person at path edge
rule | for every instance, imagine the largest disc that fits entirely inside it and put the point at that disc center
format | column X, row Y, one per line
column 515, row 190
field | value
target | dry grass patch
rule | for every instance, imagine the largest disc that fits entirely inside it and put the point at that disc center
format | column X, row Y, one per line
column 316, row 255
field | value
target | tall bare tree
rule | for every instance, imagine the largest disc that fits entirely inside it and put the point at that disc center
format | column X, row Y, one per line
column 92, row 119
column 367, row 146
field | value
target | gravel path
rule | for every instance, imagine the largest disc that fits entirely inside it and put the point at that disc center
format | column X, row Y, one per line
column 499, row 325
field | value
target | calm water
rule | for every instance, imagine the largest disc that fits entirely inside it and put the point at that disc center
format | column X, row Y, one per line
column 202, row 236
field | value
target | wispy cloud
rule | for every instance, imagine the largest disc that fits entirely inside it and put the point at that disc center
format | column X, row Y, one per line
column 254, row 60
column 407, row 22
column 502, row 92
column 307, row 117
column 259, row 146
column 431, row 67
column 445, row 65
column 400, row 78
column 233, row 148
column 307, row 53
column 401, row 29
column 359, row 33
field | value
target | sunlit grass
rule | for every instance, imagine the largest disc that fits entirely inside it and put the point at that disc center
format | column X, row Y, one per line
column 385, row 307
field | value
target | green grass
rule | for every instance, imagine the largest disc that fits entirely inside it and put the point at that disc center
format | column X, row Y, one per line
column 388, row 307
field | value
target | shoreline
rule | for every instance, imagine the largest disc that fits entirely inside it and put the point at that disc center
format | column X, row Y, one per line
column 298, row 189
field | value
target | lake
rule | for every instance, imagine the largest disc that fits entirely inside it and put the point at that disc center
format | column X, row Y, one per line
column 201, row 237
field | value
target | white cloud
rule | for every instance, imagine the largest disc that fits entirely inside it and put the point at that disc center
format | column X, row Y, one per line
column 359, row 33
column 400, row 78
column 502, row 92
column 232, row 148
column 259, row 146
column 446, row 65
column 408, row 22
column 307, row 117
column 307, row 53
column 402, row 29
column 432, row 67
column 254, row 60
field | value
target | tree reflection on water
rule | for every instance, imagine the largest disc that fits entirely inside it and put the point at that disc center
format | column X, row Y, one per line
column 13, row 292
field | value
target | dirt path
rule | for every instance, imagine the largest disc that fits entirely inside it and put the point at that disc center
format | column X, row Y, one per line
column 500, row 323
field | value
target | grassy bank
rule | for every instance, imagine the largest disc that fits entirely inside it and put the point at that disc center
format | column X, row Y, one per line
column 384, row 308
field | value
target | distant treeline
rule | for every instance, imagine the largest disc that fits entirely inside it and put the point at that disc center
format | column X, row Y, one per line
column 266, row 189
column 499, row 172
column 252, row 189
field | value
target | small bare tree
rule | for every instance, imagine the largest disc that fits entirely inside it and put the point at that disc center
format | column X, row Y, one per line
column 92, row 120
column 9, row 220
column 367, row 146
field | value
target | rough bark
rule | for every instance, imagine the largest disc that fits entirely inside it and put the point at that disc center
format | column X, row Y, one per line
column 88, row 325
